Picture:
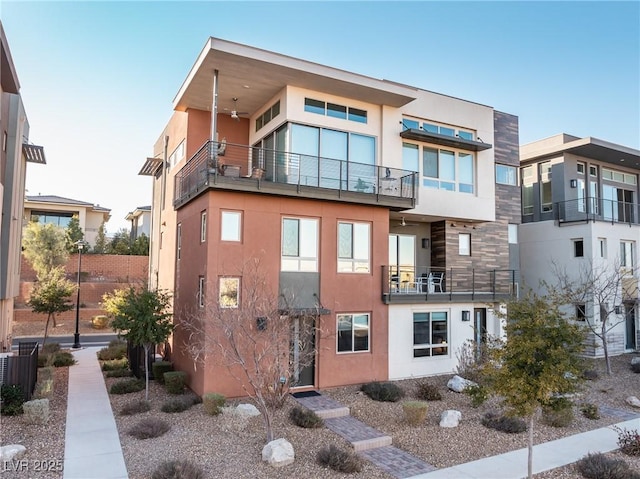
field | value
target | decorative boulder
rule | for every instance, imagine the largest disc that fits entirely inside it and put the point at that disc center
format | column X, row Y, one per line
column 633, row 401
column 12, row 452
column 450, row 418
column 635, row 360
column 247, row 410
column 278, row 453
column 459, row 384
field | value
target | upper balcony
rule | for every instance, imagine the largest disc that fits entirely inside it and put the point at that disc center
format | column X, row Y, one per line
column 226, row 166
column 597, row 209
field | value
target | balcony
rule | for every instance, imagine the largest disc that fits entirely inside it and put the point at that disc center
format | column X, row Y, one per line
column 405, row 285
column 596, row 209
column 221, row 166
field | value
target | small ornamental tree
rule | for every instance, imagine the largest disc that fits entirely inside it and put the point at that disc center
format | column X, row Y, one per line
column 142, row 317
column 120, row 243
column 50, row 296
column 44, row 247
column 540, row 358
column 73, row 234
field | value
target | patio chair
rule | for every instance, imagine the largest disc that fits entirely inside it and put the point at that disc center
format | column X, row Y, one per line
column 436, row 282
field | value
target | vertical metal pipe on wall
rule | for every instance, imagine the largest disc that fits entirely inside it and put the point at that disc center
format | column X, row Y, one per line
column 214, row 107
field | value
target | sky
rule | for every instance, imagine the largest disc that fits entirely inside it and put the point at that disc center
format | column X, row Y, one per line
column 98, row 78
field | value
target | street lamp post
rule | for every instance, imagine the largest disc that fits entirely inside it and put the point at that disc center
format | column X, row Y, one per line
column 76, row 336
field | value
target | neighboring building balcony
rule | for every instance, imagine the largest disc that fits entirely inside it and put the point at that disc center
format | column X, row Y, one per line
column 421, row 284
column 597, row 209
column 221, row 166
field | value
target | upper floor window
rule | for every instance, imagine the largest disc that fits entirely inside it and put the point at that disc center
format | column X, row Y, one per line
column 179, row 240
column 230, row 225
column 627, row 254
column 50, row 217
column 334, row 110
column 527, row 180
column 299, row 244
column 353, row 332
column 229, row 292
column 448, row 170
column 177, row 155
column 353, row 247
column 268, row 115
column 619, row 176
column 203, row 226
column 546, row 201
column 506, row 175
column 580, row 168
column 441, row 129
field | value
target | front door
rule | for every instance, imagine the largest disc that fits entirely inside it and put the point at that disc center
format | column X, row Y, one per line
column 480, row 329
column 630, row 315
column 303, row 351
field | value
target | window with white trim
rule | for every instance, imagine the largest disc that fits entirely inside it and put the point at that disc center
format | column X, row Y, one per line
column 353, row 247
column 353, row 332
column 602, row 242
column 448, row 170
column 299, row 244
column 203, row 226
column 578, row 248
column 201, row 291
column 229, row 292
column 430, row 334
column 464, row 244
column 230, row 225
column 627, row 254
column 506, row 175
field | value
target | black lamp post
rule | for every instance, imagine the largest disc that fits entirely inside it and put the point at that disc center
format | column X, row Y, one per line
column 76, row 337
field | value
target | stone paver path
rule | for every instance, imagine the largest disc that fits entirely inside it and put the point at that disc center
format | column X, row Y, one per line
column 397, row 462
column 623, row 414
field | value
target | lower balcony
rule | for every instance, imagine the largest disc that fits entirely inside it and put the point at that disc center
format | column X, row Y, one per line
column 250, row 169
column 418, row 284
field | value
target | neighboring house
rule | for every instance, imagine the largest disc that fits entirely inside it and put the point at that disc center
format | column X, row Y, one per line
column 15, row 152
column 580, row 208
column 140, row 219
column 390, row 210
column 59, row 211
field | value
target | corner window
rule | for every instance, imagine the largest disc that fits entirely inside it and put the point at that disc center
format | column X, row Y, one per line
column 230, row 225
column 203, row 226
column 201, row 290
column 229, row 289
column 430, row 334
column 179, row 240
column 353, row 332
column 448, row 170
column 506, row 175
column 299, row 244
column 353, row 247
column 578, row 248
column 464, row 244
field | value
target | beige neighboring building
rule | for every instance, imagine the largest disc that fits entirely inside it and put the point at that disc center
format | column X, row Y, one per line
column 15, row 152
column 140, row 220
column 59, row 211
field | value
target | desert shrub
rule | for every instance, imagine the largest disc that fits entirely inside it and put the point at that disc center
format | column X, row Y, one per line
column 117, row 349
column 159, row 368
column 414, row 412
column 628, row 441
column 135, row 407
column 557, row 412
column 119, row 373
column 148, row 428
column 126, row 386
column 63, row 359
column 36, row 411
column 11, row 399
column 339, row 460
column 44, row 388
column 99, row 321
column 177, row 470
column 387, row 392
column 46, row 373
column 50, row 348
column 503, row 423
column 174, row 381
column 304, row 417
column 635, row 367
column 599, row 466
column 590, row 374
column 478, row 394
column 177, row 404
column 45, row 360
column 113, row 364
column 427, row 391
column 590, row 411
column 212, row 403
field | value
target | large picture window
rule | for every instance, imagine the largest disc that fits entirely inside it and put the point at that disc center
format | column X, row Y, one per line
column 299, row 244
column 353, row 247
column 430, row 334
column 448, row 170
column 353, row 332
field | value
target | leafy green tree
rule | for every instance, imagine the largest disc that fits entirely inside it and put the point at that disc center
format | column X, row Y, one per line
column 120, row 243
column 50, row 295
column 101, row 241
column 44, row 246
column 73, row 234
column 539, row 359
column 141, row 316
column 140, row 246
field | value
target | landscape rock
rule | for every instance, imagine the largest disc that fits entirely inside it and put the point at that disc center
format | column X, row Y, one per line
column 450, row 418
column 247, row 410
column 459, row 384
column 12, row 452
column 278, row 453
column 633, row 401
column 635, row 360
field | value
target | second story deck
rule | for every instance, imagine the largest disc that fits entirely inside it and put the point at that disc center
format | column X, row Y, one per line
column 223, row 166
column 597, row 209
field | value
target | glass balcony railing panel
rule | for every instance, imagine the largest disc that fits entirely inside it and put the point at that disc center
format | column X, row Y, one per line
column 597, row 209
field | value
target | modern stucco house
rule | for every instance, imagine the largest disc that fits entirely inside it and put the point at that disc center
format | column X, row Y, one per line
column 581, row 209
column 140, row 219
column 15, row 153
column 390, row 210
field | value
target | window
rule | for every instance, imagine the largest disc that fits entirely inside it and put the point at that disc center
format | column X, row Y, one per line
column 335, row 111
column 464, row 244
column 447, row 130
column 268, row 115
column 229, row 296
column 580, row 168
column 230, row 225
column 50, row 217
column 299, row 244
column 448, row 170
column 512, row 233
column 619, row 177
column 545, row 186
column 201, row 291
column 578, row 248
column 203, row 226
column 353, row 247
column 177, row 155
column 581, row 314
column 527, row 180
column 430, row 334
column 4, row 141
column 353, row 332
column 627, row 253
column 506, row 175
column 314, row 106
column 178, row 240
column 603, row 247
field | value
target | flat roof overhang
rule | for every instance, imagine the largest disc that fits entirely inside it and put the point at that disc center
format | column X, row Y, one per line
column 254, row 76
column 150, row 167
column 444, row 140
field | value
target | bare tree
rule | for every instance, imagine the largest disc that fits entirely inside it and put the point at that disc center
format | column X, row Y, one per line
column 248, row 328
column 596, row 291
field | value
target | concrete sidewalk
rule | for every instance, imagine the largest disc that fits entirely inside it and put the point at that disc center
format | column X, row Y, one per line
column 92, row 445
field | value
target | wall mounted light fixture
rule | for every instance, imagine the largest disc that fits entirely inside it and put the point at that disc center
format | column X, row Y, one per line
column 425, row 242
column 466, row 315
column 573, row 183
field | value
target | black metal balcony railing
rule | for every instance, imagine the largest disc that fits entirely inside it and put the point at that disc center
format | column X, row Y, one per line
column 597, row 209
column 215, row 161
column 424, row 283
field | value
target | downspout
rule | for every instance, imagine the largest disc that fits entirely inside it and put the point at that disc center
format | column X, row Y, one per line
column 214, row 111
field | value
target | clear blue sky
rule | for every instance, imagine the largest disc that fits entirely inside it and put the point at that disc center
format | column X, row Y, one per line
column 98, row 78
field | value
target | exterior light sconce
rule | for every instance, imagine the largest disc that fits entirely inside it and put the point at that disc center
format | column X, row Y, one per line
column 261, row 323
column 466, row 315
column 617, row 309
column 425, row 243
column 573, row 183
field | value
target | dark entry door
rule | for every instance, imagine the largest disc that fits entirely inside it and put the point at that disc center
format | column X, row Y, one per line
column 630, row 315
column 303, row 351
column 480, row 328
